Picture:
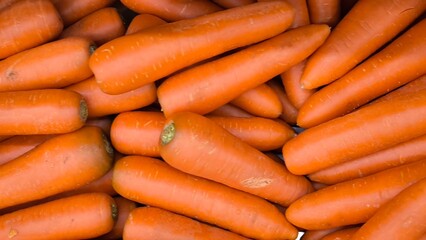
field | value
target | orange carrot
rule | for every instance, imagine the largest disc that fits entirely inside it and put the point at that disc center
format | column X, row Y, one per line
column 4, row 137
column 100, row 26
column 406, row 152
column 103, row 123
column 363, row 132
column 205, row 200
column 357, row 36
column 47, row 111
column 62, row 163
column 324, row 11
column 52, row 65
column 342, row 234
column 353, row 201
column 229, row 110
column 143, row 21
column 136, row 59
column 124, row 207
column 400, row 62
column 318, row 234
column 102, row 104
column 233, row 3
column 138, row 132
column 206, row 87
column 6, row 3
column 301, row 18
column 260, row 101
column 78, row 217
column 151, row 223
column 197, row 145
column 403, row 217
column 172, row 10
column 26, row 24
column 290, row 112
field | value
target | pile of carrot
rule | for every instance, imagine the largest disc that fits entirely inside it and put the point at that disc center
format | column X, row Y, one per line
column 230, row 119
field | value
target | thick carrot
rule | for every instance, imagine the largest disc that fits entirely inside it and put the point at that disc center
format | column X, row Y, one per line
column 204, row 88
column 60, row 164
column 73, row 10
column 143, row 21
column 324, row 11
column 78, row 217
column 261, row 133
column 400, row 62
column 124, row 208
column 102, row 104
column 46, row 111
column 151, row 223
column 363, row 132
column 406, row 152
column 103, row 123
column 233, row 3
column 100, row 26
column 403, row 217
column 197, row 145
column 357, row 36
column 342, row 234
column 52, row 65
column 229, row 110
column 318, row 234
column 138, row 132
column 290, row 112
column 196, row 197
column 173, row 10
column 137, row 59
column 26, row 24
column 354, row 201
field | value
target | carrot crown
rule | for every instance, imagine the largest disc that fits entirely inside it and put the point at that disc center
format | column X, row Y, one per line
column 168, row 133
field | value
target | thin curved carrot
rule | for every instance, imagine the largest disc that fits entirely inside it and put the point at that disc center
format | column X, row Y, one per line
column 318, row 234
column 78, row 217
column 360, row 133
column 229, row 110
column 33, row 68
column 290, row 112
column 203, row 88
column 357, row 36
column 233, row 3
column 324, row 11
column 342, row 234
column 45, row 111
column 39, row 22
column 403, row 153
column 143, row 21
column 124, row 208
column 136, row 59
column 208, row 201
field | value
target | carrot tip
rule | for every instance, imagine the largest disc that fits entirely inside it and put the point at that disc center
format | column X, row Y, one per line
column 168, row 133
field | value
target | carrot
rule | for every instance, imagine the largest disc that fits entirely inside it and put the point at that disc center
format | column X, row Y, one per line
column 101, row 104
column 124, row 207
column 204, row 88
column 403, row 153
column 137, row 59
column 143, row 21
column 354, row 201
column 229, row 110
column 46, row 111
column 172, row 10
column 60, row 164
column 400, row 62
column 103, row 123
column 26, row 24
column 290, row 112
column 138, row 132
column 4, row 137
column 82, row 216
column 233, row 3
column 152, row 223
column 100, row 26
column 188, row 136
column 324, row 11
column 261, row 133
column 363, row 132
column 205, row 200
column 403, row 217
column 301, row 18
column 357, row 36
column 52, row 65
column 73, row 10
column 6, row 3
column 343, row 234
column 318, row 234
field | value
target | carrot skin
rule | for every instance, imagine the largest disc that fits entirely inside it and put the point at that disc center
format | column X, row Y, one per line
column 73, row 10
column 143, row 21
column 290, row 112
column 124, row 208
column 233, row 3
column 324, row 11
column 318, row 234
column 229, row 110
column 301, row 16
column 103, row 123
column 342, row 234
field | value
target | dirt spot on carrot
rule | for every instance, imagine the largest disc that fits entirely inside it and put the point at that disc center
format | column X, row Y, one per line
column 11, row 75
column 256, row 182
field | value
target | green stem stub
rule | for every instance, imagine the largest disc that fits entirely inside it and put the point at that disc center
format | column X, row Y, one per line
column 168, row 133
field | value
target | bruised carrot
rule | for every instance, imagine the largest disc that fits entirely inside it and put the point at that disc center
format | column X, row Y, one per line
column 403, row 217
column 403, row 153
column 203, row 199
column 368, row 130
column 143, row 21
column 102, row 104
column 52, row 65
column 197, row 145
column 136, row 59
column 342, row 234
column 100, row 26
column 400, row 62
column 324, row 11
column 60, row 164
column 26, row 24
column 153, row 223
column 203, row 88
column 138, row 132
column 46, row 111
column 290, row 112
column 318, row 234
column 233, row 3
column 73, row 10
column 229, row 110
column 354, row 201
column 357, row 36
column 103, row 123
column 124, row 208
column 77, row 217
